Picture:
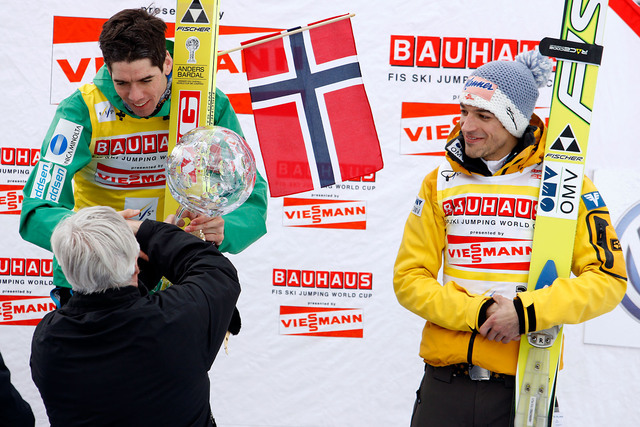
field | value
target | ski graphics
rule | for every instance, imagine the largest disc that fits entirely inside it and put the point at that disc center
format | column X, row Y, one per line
column 578, row 51
column 193, row 88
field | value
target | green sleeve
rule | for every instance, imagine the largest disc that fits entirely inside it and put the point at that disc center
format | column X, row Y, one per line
column 246, row 224
column 39, row 216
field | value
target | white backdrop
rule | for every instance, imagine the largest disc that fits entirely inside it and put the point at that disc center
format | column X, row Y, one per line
column 271, row 378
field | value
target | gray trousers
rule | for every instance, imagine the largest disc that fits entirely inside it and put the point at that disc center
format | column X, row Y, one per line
column 449, row 401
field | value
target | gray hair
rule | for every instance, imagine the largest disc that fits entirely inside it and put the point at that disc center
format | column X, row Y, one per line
column 96, row 249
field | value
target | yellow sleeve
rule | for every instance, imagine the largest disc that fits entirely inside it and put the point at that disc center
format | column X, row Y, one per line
column 418, row 262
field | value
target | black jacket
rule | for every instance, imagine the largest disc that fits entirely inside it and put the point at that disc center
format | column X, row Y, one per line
column 129, row 359
column 14, row 410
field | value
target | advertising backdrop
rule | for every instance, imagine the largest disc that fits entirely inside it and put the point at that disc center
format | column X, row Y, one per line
column 324, row 341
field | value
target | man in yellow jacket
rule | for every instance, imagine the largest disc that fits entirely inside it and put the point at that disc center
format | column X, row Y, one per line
column 474, row 217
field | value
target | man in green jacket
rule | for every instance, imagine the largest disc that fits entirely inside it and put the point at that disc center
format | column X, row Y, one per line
column 107, row 144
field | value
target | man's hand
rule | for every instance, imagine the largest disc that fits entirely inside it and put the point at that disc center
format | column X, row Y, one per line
column 127, row 214
column 211, row 227
column 502, row 324
column 134, row 225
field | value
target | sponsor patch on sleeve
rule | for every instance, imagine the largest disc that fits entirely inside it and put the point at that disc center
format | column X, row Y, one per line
column 58, row 176
column 64, row 142
column 43, row 176
column 417, row 207
column 593, row 200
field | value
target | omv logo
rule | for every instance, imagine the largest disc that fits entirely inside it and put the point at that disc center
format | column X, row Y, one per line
column 628, row 230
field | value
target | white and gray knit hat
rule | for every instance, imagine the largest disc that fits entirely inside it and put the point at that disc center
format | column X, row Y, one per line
column 509, row 89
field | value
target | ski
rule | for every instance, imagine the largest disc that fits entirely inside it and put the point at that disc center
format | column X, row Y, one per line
column 578, row 52
column 195, row 58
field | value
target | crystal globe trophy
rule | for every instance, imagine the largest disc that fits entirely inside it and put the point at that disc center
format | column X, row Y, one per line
column 211, row 171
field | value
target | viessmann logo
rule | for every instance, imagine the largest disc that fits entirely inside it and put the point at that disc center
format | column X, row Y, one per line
column 125, row 178
column 426, row 126
column 490, row 253
column 24, row 310
column 321, row 321
column 11, row 199
column 320, row 213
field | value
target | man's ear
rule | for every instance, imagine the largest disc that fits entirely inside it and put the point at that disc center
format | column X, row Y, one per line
column 168, row 64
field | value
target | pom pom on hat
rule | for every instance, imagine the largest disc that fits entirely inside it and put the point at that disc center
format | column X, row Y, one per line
column 539, row 65
column 509, row 89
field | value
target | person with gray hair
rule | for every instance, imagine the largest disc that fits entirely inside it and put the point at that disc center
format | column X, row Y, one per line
column 96, row 250
column 117, row 355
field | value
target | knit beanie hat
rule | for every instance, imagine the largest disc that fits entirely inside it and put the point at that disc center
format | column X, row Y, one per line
column 509, row 89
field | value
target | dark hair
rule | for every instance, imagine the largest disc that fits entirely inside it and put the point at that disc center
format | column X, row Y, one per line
column 133, row 34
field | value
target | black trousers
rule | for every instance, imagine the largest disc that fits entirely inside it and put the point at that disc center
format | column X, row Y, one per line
column 448, row 400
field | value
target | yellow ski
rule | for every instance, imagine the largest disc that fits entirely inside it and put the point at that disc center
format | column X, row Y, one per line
column 578, row 51
column 194, row 73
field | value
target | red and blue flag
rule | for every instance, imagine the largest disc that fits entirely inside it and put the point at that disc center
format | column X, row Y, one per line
column 313, row 118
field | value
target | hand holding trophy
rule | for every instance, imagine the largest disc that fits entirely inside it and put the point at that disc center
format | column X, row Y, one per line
column 211, row 171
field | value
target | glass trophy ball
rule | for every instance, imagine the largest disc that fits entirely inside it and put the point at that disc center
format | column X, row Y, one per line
column 211, row 171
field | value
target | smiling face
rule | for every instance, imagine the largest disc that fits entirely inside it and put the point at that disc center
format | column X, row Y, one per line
column 484, row 135
column 140, row 84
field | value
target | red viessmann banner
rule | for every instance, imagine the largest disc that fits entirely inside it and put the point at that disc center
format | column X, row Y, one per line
column 321, row 321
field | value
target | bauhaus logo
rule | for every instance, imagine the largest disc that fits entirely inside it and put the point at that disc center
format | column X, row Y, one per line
column 321, row 321
column 453, row 52
column 149, row 143
column 26, row 267
column 322, row 279
column 10, row 156
column 491, row 206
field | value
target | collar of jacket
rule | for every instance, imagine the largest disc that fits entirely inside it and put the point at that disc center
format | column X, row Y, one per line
column 528, row 151
column 103, row 81
column 80, row 303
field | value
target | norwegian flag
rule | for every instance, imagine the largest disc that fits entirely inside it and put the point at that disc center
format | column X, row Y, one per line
column 311, row 111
